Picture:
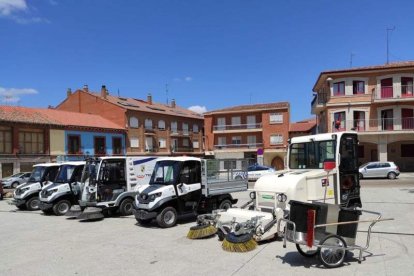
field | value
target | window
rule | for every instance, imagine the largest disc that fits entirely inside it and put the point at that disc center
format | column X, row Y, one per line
column 185, row 128
column 251, row 121
column 195, row 128
column 339, row 121
column 339, row 88
column 174, row 127
column 133, row 122
column 196, row 144
column 386, row 88
column 358, row 87
column 5, row 141
column 230, row 164
column 74, row 146
column 235, row 121
column 99, row 145
column 116, row 145
column 276, row 118
column 148, row 144
column 221, row 123
column 311, row 155
column 359, row 120
column 221, row 141
column 251, row 140
column 162, row 143
column 148, row 124
column 407, row 150
column 276, row 139
column 134, row 142
column 186, row 142
column 406, row 87
column 161, row 124
column 387, row 119
column 31, row 142
column 407, row 118
column 236, row 140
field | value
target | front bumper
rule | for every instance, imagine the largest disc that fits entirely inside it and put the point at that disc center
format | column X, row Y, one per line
column 142, row 214
column 45, row 206
column 17, row 202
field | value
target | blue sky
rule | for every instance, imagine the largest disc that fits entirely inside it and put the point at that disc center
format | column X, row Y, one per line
column 211, row 53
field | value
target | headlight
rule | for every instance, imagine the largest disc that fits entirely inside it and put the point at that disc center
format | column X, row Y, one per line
column 281, row 197
column 50, row 192
column 154, row 196
column 252, row 195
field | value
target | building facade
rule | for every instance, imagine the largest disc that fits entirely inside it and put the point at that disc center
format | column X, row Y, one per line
column 375, row 101
column 258, row 132
column 30, row 136
column 302, row 128
column 151, row 128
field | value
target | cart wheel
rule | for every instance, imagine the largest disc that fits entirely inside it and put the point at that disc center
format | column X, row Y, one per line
column 332, row 251
column 306, row 251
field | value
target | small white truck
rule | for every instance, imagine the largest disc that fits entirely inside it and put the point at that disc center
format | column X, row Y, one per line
column 321, row 168
column 26, row 195
column 188, row 186
column 110, row 183
column 59, row 196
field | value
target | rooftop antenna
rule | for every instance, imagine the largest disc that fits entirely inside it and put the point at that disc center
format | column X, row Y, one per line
column 352, row 57
column 166, row 91
column 388, row 30
column 250, row 94
column 118, row 93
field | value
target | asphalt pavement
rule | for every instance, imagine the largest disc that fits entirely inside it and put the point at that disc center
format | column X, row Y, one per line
column 35, row 244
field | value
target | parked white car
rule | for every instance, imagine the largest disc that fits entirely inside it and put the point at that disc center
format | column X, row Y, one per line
column 256, row 171
column 15, row 180
column 379, row 169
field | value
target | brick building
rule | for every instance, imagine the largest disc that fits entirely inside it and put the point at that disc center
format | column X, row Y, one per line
column 249, row 131
column 152, row 128
column 30, row 135
column 375, row 101
column 302, row 128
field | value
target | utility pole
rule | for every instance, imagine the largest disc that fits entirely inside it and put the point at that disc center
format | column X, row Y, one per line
column 166, row 91
column 388, row 30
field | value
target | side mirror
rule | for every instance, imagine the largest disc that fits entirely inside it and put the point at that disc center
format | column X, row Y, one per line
column 329, row 165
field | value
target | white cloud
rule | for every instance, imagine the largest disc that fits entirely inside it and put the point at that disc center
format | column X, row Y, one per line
column 13, row 9
column 11, row 95
column 188, row 78
column 8, row 7
column 198, row 109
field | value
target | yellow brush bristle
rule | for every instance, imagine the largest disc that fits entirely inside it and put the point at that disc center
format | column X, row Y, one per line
column 202, row 233
column 239, row 247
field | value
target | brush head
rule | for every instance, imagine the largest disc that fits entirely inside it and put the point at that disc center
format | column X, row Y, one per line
column 241, row 243
column 201, row 231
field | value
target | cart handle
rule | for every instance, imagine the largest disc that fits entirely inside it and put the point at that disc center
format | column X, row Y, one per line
column 351, row 222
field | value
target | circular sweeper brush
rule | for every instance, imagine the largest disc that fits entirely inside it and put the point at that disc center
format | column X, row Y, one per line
column 239, row 243
column 201, row 231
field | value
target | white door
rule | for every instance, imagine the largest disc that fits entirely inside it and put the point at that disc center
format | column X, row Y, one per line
column 148, row 144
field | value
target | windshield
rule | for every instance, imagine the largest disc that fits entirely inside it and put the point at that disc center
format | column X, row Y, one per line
column 65, row 173
column 311, row 155
column 37, row 174
column 89, row 171
column 165, row 172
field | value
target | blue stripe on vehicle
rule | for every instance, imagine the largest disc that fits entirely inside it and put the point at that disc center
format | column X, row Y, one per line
column 137, row 162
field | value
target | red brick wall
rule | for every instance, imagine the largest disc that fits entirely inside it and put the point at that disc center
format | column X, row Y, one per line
column 208, row 132
column 275, row 128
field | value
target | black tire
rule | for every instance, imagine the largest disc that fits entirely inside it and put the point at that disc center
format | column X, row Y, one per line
column 21, row 207
column 392, row 175
column 14, row 185
column 167, row 218
column 47, row 211
column 61, row 207
column 238, row 177
column 126, row 207
column 306, row 251
column 332, row 257
column 143, row 222
column 225, row 204
column 361, row 176
column 33, row 204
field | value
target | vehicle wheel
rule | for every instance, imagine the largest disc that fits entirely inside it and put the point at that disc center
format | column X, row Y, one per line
column 332, row 251
column 361, row 176
column 15, row 184
column 306, row 251
column 144, row 221
column 225, row 204
column 392, row 175
column 47, row 211
column 238, row 177
column 167, row 218
column 126, row 206
column 21, row 207
column 62, row 207
column 33, row 204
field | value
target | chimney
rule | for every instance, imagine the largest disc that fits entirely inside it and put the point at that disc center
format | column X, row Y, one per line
column 85, row 88
column 68, row 92
column 173, row 103
column 104, row 92
column 149, row 98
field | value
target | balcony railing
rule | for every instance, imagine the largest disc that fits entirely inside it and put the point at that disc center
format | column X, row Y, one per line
column 182, row 149
column 233, row 146
column 384, row 124
column 393, row 92
column 238, row 127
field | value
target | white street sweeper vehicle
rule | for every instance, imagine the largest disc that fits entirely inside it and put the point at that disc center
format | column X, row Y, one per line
column 321, row 168
column 26, row 195
column 188, row 186
column 109, row 185
column 58, row 197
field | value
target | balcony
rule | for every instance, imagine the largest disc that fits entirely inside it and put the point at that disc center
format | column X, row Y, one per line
column 377, row 125
column 182, row 149
column 239, row 146
column 392, row 93
column 319, row 101
column 237, row 128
